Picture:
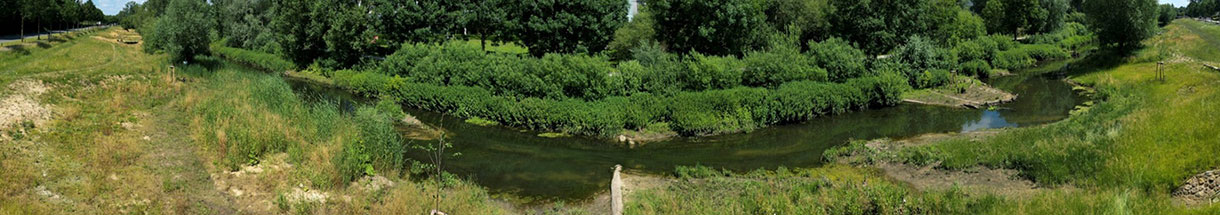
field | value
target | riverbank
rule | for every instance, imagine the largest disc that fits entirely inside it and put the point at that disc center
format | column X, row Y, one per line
column 120, row 135
column 963, row 93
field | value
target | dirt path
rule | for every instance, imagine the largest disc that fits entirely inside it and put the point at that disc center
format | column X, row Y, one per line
column 177, row 161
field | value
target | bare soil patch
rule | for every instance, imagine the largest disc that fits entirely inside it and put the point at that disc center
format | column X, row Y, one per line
column 21, row 107
column 929, row 177
column 976, row 96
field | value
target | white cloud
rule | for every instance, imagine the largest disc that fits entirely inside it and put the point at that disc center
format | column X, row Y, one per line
column 112, row 7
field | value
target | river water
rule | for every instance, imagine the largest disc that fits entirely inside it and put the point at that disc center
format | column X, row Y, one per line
column 519, row 163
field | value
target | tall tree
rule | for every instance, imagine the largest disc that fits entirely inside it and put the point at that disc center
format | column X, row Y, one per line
column 566, row 26
column 489, row 20
column 1166, row 13
column 1056, row 12
column 183, row 31
column 877, row 26
column 718, row 27
column 298, row 34
column 1122, row 22
column 1014, row 16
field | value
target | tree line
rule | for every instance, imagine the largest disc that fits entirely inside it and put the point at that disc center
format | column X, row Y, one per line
column 702, row 66
column 31, row 16
column 1202, row 8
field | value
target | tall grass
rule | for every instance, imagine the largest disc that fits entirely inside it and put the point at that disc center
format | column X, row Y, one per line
column 1142, row 139
column 827, row 190
column 244, row 116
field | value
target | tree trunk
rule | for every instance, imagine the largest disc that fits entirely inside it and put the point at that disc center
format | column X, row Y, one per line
column 483, row 39
column 23, row 29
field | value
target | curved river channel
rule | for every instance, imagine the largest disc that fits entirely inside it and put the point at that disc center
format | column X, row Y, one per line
column 510, row 161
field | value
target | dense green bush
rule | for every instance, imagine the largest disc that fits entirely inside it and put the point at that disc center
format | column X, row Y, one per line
column 972, row 50
column 580, row 76
column 775, row 67
column 1044, row 52
column 841, row 60
column 1013, row 59
column 689, row 113
column 263, row 61
column 920, row 54
column 977, row 68
column 933, row 78
column 1026, row 55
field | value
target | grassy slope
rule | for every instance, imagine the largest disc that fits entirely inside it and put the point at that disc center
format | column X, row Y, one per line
column 125, row 139
column 1125, row 154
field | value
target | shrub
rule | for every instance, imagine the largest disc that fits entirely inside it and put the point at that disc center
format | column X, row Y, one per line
column 921, row 55
column 1013, row 59
column 841, row 60
column 977, row 68
column 973, row 50
column 712, row 72
column 772, row 68
column 714, row 111
column 1044, row 52
column 933, row 78
column 262, row 61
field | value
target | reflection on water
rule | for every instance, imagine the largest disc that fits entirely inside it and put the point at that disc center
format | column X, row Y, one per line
column 509, row 161
column 990, row 119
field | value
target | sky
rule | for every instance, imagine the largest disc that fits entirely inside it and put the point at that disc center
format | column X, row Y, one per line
column 112, row 7
column 1175, row 3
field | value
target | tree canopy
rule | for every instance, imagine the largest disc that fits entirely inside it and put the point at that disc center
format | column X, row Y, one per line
column 1122, row 22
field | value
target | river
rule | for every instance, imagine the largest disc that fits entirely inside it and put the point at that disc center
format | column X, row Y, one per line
column 512, row 162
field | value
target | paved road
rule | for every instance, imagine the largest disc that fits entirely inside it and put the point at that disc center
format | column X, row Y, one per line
column 15, row 37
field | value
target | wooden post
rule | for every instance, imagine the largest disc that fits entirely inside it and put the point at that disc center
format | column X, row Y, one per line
column 616, row 192
column 1159, row 71
column 170, row 77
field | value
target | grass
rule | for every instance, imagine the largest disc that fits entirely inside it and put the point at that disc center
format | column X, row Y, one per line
column 1144, row 134
column 1122, row 155
column 507, row 48
column 128, row 138
column 244, row 117
column 828, row 190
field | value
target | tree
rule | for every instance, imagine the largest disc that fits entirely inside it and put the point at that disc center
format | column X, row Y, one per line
column 1056, row 13
column 1122, row 22
column 298, row 33
column 1166, row 14
column 965, row 26
column 809, row 19
column 415, row 21
column 346, row 40
column 877, row 26
column 1015, row 16
column 717, row 27
column 246, row 26
column 489, row 19
column 995, row 14
column 633, row 35
column 183, row 31
column 568, row 26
